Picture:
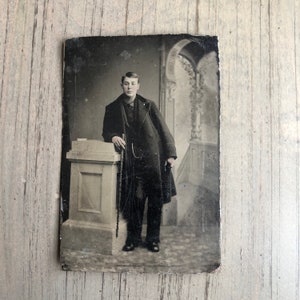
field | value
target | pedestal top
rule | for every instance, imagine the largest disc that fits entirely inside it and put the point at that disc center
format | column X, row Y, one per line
column 93, row 150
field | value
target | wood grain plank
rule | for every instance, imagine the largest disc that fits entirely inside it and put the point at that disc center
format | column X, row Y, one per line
column 114, row 18
column 171, row 17
column 261, row 149
column 134, row 11
column 297, row 134
column 15, row 114
column 148, row 17
column 230, row 148
column 284, row 95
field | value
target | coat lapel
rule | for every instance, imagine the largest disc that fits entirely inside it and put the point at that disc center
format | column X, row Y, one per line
column 143, row 108
column 120, row 111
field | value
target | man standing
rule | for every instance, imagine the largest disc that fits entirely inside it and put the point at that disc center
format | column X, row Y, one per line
column 135, row 125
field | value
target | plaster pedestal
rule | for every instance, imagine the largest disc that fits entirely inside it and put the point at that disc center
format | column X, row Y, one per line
column 92, row 219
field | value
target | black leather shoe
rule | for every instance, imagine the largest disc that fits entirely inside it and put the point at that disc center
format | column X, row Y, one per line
column 153, row 246
column 128, row 247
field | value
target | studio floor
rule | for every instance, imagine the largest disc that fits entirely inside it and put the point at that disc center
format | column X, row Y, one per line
column 182, row 250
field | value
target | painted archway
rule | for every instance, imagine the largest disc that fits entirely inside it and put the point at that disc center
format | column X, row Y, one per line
column 197, row 171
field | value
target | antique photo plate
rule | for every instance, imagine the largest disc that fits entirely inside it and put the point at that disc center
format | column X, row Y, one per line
column 180, row 74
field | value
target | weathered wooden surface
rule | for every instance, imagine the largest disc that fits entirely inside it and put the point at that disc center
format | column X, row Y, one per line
column 259, row 63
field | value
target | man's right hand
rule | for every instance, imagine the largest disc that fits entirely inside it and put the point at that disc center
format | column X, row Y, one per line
column 118, row 142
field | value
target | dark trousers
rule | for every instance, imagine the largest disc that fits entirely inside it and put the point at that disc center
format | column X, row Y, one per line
column 135, row 218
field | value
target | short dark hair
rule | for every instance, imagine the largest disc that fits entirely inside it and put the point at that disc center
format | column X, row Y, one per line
column 130, row 75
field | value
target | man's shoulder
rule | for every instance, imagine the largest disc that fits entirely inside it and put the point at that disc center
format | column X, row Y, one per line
column 115, row 103
column 145, row 100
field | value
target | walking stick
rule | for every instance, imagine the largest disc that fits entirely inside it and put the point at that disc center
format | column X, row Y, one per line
column 120, row 187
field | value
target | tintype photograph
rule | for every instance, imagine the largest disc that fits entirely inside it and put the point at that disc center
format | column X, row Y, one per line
column 140, row 154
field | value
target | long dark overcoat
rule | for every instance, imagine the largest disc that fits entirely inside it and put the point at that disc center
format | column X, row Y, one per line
column 154, row 139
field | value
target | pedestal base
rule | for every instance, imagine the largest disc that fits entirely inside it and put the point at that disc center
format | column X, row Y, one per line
column 91, row 237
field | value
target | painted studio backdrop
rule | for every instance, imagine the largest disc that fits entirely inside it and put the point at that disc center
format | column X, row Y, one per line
column 180, row 74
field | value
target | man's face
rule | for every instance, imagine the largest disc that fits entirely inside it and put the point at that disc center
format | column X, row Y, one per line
column 130, row 86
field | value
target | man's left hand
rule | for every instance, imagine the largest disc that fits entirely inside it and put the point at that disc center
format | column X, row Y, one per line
column 171, row 161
